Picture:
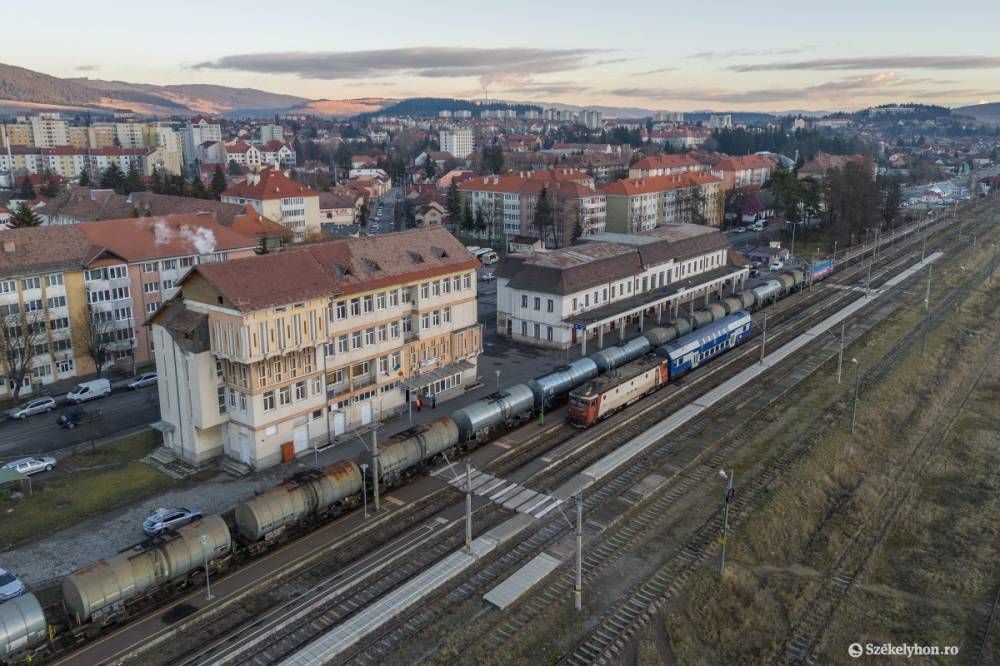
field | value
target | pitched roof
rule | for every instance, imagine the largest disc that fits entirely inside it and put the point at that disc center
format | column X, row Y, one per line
column 651, row 184
column 335, row 267
column 741, row 162
column 269, row 184
column 41, row 249
column 80, row 203
column 272, row 146
column 146, row 238
column 666, row 162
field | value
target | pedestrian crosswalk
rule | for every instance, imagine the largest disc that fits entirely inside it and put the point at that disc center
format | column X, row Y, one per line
column 507, row 494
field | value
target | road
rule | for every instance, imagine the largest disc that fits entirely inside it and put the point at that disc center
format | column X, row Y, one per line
column 387, row 221
column 123, row 410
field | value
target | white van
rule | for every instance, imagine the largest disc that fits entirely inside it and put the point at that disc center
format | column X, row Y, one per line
column 95, row 388
column 487, row 256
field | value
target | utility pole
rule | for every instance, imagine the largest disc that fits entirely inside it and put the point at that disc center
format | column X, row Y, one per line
column 857, row 384
column 725, row 522
column 468, row 507
column 840, row 354
column 868, row 282
column 364, row 490
column 763, row 340
column 208, row 584
column 498, row 381
column 833, row 262
column 927, row 309
column 375, row 469
column 578, row 585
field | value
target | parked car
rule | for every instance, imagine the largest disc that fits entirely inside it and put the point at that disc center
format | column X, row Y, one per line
column 10, row 585
column 169, row 518
column 95, row 388
column 145, row 379
column 740, row 229
column 754, row 272
column 36, row 406
column 74, row 417
column 776, row 266
column 29, row 466
column 487, row 276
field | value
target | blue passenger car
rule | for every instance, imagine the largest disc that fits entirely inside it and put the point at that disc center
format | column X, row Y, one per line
column 690, row 351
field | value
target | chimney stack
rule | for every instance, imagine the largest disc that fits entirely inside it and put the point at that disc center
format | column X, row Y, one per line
column 8, row 245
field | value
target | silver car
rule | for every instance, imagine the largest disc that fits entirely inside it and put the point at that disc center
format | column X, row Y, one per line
column 10, row 586
column 169, row 518
column 145, row 379
column 29, row 466
column 37, row 406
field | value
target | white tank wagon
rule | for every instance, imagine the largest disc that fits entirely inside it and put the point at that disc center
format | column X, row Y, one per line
column 22, row 626
column 267, row 515
column 104, row 591
column 483, row 417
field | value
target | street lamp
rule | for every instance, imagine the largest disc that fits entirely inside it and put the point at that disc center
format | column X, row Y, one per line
column 857, row 383
column 725, row 522
column 208, row 584
column 498, row 381
column 364, row 489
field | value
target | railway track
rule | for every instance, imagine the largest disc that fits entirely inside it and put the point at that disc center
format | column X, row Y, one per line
column 322, row 578
column 620, row 625
column 549, row 532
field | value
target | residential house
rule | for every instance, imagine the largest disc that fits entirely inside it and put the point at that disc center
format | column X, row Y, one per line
column 279, row 198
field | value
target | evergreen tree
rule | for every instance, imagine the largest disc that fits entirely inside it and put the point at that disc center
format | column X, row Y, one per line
column 24, row 217
column 198, row 189
column 157, row 185
column 133, row 181
column 27, row 189
column 177, row 185
column 113, row 178
column 543, row 217
column 84, row 179
column 218, row 182
column 233, row 168
column 454, row 203
column 468, row 222
column 363, row 216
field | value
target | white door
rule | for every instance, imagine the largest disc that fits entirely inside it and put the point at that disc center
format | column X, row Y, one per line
column 366, row 413
column 339, row 423
column 245, row 448
column 300, row 437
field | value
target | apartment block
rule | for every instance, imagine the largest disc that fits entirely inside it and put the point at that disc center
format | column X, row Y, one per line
column 248, row 363
column 459, row 141
column 640, row 204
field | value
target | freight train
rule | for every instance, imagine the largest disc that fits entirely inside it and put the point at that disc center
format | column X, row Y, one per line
column 114, row 590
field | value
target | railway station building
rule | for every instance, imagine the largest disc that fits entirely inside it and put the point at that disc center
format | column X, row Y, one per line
column 594, row 289
column 263, row 358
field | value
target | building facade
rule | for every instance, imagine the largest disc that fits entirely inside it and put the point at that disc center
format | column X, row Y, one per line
column 279, row 198
column 247, row 364
column 594, row 289
column 459, row 141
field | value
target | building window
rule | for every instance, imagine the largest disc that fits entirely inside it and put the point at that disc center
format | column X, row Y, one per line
column 538, row 331
column 456, row 283
column 356, row 340
column 407, row 294
column 8, row 286
column 551, row 305
column 269, row 401
column 65, row 366
column 53, row 279
column 355, row 307
column 435, row 288
column 424, row 290
column 317, row 386
column 524, row 328
column 394, row 329
column 343, row 346
column 57, row 302
column 30, row 283
column 425, row 321
column 394, row 298
column 328, row 349
column 380, row 301
column 467, row 280
column 222, row 399
column 285, row 395
column 369, row 304
column 538, row 303
column 370, row 336
column 524, row 300
column 342, row 310
column 383, row 333
column 436, row 317
column 447, row 315
column 300, row 390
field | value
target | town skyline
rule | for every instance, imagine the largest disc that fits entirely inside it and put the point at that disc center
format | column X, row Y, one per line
column 675, row 58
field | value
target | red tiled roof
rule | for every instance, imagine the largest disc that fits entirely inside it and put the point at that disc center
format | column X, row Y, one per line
column 270, row 184
column 635, row 186
column 342, row 266
column 145, row 238
column 742, row 162
column 666, row 162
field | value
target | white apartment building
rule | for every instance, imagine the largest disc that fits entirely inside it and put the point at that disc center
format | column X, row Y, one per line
column 49, row 130
column 594, row 289
column 197, row 132
column 270, row 133
column 248, row 363
column 458, row 141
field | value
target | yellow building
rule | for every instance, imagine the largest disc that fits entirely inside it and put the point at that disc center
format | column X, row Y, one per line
column 43, row 307
column 277, row 197
column 248, row 362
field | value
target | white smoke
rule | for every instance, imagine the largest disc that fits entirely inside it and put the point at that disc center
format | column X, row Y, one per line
column 201, row 238
column 163, row 232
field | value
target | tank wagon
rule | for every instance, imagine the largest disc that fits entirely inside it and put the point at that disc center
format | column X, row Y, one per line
column 22, row 626
column 108, row 590
column 412, row 450
column 267, row 516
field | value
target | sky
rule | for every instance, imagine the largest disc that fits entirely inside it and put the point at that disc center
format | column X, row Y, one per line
column 659, row 55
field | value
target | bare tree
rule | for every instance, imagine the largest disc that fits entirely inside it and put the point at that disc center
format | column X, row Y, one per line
column 20, row 332
column 97, row 335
